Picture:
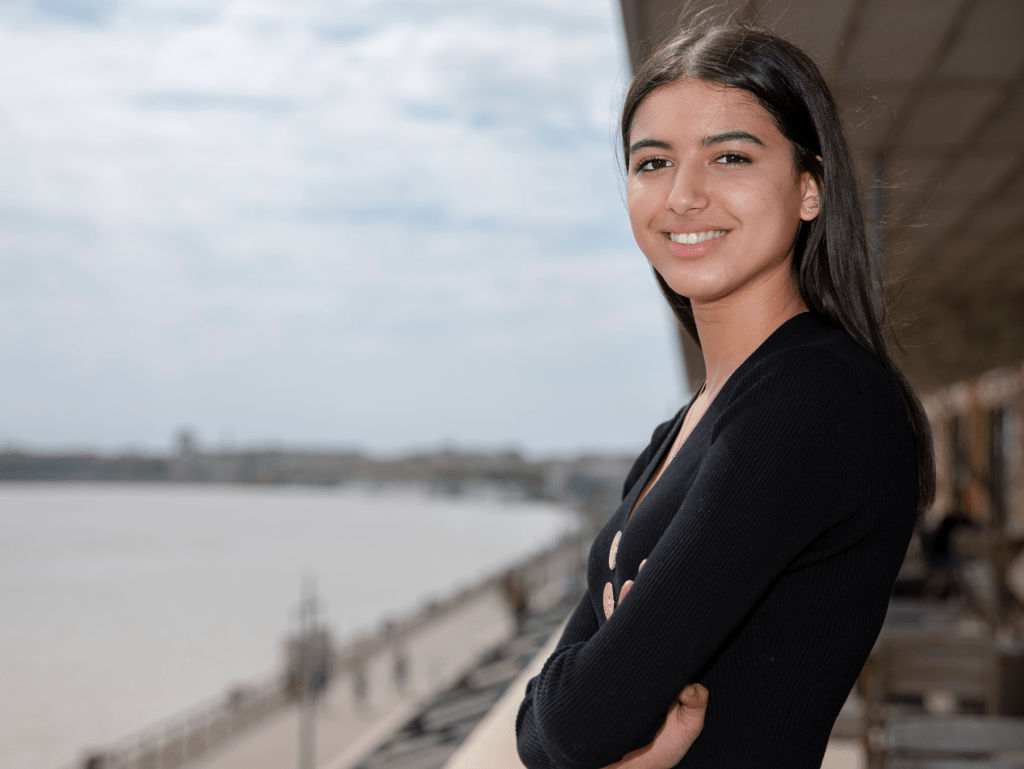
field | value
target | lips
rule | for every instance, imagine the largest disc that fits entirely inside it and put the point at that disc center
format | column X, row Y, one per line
column 693, row 238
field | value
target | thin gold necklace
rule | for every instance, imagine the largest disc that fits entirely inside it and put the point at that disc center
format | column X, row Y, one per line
column 683, row 425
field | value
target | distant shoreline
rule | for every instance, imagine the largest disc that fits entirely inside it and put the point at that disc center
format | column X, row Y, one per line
column 590, row 482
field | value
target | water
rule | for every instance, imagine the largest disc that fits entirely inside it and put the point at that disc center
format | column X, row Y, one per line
column 122, row 604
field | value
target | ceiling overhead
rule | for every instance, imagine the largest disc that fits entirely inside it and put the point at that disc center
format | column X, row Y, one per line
column 932, row 97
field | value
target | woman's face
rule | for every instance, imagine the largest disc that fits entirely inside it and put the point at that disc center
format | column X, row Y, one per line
column 714, row 199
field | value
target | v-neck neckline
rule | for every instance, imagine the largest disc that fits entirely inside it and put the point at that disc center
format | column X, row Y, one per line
column 659, row 458
column 673, row 433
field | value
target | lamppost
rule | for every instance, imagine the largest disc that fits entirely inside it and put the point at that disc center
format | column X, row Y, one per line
column 310, row 669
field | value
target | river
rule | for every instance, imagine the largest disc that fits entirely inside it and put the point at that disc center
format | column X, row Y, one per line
column 122, row 604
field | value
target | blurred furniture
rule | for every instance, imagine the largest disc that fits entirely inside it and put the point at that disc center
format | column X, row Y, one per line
column 954, row 742
column 910, row 671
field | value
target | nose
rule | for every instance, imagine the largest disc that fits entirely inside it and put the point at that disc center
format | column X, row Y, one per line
column 689, row 191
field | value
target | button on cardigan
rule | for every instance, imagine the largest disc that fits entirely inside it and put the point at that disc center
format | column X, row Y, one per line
column 772, row 542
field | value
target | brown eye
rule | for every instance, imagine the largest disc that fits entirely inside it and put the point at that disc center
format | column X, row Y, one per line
column 731, row 159
column 652, row 164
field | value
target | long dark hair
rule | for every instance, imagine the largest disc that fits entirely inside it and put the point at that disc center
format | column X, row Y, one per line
column 832, row 260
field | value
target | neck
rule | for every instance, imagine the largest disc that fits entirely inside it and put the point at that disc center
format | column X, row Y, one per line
column 731, row 329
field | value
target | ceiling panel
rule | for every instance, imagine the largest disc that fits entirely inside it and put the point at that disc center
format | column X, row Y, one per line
column 996, row 219
column 944, row 209
column 962, row 255
column 987, row 268
column 869, row 115
column 968, row 264
column 1010, row 256
column 913, row 173
column 978, row 172
column 990, row 44
column 815, row 25
column 945, row 116
column 1014, row 191
column 647, row 23
column 934, row 232
column 884, row 49
column 1007, row 129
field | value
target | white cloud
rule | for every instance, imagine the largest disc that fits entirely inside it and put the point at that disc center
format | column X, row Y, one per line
column 202, row 198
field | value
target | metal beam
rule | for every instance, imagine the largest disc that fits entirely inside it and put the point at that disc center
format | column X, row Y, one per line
column 952, row 158
column 924, row 278
column 851, row 29
column 924, row 78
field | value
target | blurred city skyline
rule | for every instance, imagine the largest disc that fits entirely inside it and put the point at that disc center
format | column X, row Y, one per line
column 381, row 225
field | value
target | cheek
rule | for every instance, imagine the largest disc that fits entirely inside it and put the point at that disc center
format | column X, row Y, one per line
column 647, row 196
column 636, row 207
column 772, row 208
column 633, row 192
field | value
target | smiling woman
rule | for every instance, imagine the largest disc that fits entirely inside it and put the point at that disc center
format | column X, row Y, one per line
column 771, row 515
column 714, row 200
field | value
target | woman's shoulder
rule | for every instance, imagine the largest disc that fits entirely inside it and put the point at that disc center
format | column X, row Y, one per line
column 813, row 376
column 810, row 355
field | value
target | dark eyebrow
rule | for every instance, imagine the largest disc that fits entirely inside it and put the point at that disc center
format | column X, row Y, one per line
column 731, row 136
column 645, row 143
column 707, row 141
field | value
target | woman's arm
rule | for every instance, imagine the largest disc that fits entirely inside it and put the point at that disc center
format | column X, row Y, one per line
column 581, row 626
column 777, row 463
column 682, row 726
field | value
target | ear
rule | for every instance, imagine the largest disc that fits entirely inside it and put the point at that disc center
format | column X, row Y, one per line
column 810, row 196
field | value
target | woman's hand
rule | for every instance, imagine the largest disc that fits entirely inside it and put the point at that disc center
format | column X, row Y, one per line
column 628, row 584
column 682, row 725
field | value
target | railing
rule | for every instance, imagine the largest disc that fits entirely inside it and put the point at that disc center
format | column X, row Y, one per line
column 546, row 572
column 189, row 735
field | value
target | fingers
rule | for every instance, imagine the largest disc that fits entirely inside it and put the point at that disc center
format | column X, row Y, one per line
column 628, row 584
column 693, row 704
column 694, row 697
column 625, row 589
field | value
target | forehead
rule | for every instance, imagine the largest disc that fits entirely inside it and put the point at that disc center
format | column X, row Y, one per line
column 694, row 109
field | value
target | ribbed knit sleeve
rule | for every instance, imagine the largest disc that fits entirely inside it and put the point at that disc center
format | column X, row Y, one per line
column 581, row 626
column 776, row 456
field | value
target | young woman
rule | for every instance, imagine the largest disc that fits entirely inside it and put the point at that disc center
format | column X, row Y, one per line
column 772, row 514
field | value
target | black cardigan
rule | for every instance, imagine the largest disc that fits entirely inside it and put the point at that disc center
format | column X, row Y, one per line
column 772, row 542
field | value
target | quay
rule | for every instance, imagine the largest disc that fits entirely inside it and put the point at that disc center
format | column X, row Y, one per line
column 377, row 682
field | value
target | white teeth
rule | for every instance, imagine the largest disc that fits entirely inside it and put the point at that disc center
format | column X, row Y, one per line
column 693, row 238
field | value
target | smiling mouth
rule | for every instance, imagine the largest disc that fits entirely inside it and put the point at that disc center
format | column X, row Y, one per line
column 693, row 238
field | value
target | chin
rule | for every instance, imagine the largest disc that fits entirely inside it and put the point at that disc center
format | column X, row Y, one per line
column 698, row 291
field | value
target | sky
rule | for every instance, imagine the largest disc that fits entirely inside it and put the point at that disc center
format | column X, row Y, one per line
column 382, row 224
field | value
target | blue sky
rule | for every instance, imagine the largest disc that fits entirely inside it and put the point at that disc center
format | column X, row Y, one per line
column 387, row 224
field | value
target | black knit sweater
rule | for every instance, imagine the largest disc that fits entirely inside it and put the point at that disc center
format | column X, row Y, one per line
column 772, row 542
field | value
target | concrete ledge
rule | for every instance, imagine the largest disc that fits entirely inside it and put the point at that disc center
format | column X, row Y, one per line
column 493, row 742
